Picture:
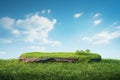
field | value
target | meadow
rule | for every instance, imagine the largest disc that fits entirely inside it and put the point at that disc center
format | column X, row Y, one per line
column 105, row 69
column 13, row 69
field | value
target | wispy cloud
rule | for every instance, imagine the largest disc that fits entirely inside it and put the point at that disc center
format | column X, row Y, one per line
column 78, row 15
column 97, row 15
column 102, row 37
column 46, row 11
column 97, row 21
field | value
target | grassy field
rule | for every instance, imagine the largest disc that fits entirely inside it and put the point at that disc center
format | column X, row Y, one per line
column 107, row 69
column 13, row 69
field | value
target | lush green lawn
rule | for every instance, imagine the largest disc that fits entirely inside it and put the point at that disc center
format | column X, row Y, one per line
column 107, row 69
column 49, row 54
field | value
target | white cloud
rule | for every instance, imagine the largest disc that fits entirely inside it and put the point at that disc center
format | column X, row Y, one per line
column 103, row 37
column 7, row 22
column 49, row 11
column 77, row 15
column 34, row 28
column 97, row 14
column 2, row 52
column 98, row 21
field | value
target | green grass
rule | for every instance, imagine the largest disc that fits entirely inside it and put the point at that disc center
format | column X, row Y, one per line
column 52, row 54
column 86, row 57
column 13, row 69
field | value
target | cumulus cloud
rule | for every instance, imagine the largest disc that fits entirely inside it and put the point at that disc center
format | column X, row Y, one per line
column 102, row 37
column 98, row 21
column 78, row 15
column 34, row 28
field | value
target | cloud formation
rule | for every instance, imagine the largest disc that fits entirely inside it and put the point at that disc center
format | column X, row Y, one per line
column 102, row 37
column 97, row 14
column 34, row 28
column 97, row 21
column 78, row 15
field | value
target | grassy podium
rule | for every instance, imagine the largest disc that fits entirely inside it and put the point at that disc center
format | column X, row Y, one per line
column 78, row 56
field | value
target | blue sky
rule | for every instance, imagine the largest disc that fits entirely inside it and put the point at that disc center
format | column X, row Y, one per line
column 59, row 25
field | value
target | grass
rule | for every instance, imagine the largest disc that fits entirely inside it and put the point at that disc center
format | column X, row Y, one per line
column 13, row 69
column 52, row 54
column 84, row 57
column 107, row 69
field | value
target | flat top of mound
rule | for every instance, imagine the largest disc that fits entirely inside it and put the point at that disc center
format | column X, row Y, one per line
column 58, row 55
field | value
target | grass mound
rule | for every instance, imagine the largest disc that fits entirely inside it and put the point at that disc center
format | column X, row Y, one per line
column 82, row 57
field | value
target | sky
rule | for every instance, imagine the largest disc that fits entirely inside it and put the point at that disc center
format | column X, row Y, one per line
column 59, row 25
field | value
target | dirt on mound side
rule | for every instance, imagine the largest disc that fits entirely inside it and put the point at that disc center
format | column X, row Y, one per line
column 43, row 60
